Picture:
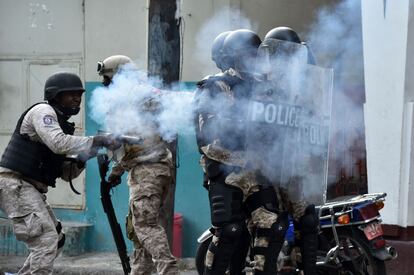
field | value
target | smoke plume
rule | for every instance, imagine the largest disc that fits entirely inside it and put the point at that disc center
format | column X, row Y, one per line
column 132, row 104
column 300, row 98
column 225, row 20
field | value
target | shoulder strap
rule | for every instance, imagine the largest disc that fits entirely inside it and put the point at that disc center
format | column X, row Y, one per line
column 20, row 121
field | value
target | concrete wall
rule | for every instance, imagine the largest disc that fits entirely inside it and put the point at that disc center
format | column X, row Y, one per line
column 409, row 97
column 115, row 27
column 388, row 38
column 37, row 39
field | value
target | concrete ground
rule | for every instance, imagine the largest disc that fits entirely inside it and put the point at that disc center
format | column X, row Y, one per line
column 403, row 264
column 91, row 263
column 109, row 263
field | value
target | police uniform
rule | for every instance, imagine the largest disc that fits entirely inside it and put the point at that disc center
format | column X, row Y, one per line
column 235, row 192
column 32, row 161
column 150, row 175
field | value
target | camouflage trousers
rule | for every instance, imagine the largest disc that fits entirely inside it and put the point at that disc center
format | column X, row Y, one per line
column 33, row 222
column 291, row 200
column 148, row 184
column 260, row 218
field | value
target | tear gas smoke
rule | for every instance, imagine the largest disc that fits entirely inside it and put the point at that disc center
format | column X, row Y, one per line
column 284, row 156
column 335, row 34
column 336, row 37
column 132, row 105
column 225, row 20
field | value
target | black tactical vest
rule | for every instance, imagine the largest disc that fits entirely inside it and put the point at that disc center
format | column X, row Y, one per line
column 229, row 128
column 34, row 160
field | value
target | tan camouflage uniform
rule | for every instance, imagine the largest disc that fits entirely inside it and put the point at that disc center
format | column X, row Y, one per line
column 150, row 168
column 24, row 200
column 244, row 179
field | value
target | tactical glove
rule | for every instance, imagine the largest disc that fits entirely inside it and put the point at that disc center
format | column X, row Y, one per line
column 108, row 141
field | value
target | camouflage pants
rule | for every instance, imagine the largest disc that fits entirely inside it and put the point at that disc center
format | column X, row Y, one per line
column 33, row 222
column 292, row 201
column 148, row 184
column 260, row 218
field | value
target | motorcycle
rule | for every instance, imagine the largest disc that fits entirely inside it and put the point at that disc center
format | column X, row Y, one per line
column 350, row 240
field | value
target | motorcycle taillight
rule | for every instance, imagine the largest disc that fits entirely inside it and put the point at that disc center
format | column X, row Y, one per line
column 378, row 243
column 379, row 205
column 368, row 211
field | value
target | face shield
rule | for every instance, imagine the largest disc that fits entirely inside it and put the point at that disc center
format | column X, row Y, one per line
column 278, row 59
column 105, row 73
column 289, row 117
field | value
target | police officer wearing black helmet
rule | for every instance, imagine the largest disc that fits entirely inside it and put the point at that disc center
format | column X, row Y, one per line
column 304, row 214
column 223, row 62
column 32, row 161
column 234, row 190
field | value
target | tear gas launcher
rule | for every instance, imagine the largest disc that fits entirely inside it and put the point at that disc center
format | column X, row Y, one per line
column 125, row 139
column 103, row 163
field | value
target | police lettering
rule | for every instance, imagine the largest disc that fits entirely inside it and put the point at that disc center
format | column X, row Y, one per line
column 280, row 114
column 315, row 134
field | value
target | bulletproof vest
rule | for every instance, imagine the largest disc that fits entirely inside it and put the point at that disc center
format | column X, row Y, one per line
column 215, row 127
column 34, row 160
column 229, row 128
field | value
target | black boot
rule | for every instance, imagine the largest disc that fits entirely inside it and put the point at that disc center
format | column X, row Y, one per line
column 309, row 240
column 238, row 260
column 228, row 237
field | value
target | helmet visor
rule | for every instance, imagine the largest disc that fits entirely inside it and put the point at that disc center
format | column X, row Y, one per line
column 102, row 70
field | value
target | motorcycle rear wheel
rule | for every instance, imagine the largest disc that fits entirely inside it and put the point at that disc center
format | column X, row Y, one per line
column 201, row 255
column 355, row 254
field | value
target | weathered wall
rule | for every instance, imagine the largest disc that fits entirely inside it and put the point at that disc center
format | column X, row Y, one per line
column 387, row 32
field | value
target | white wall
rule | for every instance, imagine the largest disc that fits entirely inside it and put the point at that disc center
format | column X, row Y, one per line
column 115, row 27
column 388, row 112
column 36, row 40
column 409, row 97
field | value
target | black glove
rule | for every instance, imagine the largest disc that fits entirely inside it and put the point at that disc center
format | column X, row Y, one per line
column 114, row 180
column 108, row 141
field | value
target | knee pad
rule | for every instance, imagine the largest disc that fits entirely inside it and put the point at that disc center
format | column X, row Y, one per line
column 309, row 222
column 230, row 232
column 278, row 229
column 228, row 237
column 225, row 203
column 276, row 238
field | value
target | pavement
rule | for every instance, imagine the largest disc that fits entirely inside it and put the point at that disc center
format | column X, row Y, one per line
column 90, row 263
column 402, row 265
column 109, row 263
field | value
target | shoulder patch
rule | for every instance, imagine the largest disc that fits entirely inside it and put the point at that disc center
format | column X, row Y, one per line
column 48, row 119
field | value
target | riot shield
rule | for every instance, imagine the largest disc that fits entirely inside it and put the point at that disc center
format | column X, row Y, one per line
column 289, row 115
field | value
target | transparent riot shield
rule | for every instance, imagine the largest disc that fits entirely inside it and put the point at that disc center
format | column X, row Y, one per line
column 289, row 119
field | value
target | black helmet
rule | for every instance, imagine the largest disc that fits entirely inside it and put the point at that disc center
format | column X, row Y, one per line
column 287, row 34
column 61, row 82
column 241, row 46
column 241, row 41
column 217, row 54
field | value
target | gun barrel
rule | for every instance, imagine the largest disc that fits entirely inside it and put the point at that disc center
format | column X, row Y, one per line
column 130, row 140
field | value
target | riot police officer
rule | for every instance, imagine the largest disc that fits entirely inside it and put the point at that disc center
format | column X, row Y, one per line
column 150, row 169
column 223, row 62
column 305, row 217
column 234, row 190
column 34, row 158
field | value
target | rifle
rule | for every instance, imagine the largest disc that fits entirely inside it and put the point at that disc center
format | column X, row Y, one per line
column 103, row 163
column 124, row 139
